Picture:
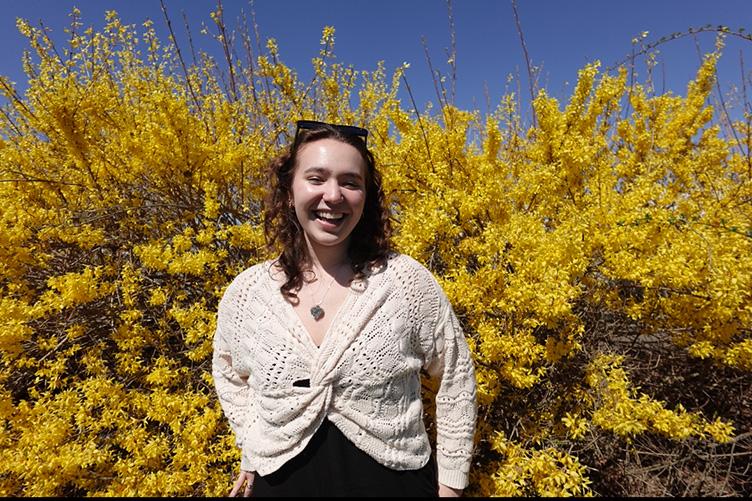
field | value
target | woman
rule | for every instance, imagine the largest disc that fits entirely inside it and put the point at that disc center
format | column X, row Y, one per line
column 318, row 354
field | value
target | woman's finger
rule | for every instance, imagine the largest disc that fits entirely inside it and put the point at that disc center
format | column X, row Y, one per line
column 248, row 488
column 238, row 484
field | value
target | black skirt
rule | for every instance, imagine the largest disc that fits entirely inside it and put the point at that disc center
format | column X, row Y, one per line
column 331, row 465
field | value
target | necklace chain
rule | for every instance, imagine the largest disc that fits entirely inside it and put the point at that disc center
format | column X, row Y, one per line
column 316, row 310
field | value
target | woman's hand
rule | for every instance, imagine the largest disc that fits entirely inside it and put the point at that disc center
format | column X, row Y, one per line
column 245, row 477
column 449, row 492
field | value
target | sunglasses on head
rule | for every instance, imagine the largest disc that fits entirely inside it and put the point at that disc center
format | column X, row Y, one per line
column 348, row 130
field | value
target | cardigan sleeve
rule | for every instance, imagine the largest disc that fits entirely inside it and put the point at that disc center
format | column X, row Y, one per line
column 229, row 375
column 450, row 361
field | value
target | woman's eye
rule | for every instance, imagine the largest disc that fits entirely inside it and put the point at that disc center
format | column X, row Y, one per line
column 314, row 180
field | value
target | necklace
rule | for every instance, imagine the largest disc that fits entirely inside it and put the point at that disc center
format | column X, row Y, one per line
column 316, row 310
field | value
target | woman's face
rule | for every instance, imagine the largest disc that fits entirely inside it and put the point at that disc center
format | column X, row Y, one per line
column 329, row 191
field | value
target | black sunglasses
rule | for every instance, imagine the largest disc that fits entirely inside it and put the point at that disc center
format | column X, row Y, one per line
column 348, row 130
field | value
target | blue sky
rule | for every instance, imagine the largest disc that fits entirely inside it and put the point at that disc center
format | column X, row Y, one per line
column 561, row 36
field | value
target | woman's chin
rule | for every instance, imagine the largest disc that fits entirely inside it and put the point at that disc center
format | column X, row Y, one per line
column 327, row 239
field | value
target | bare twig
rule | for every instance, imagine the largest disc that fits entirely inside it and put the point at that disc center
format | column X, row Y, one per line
column 180, row 56
column 730, row 125
column 663, row 75
column 434, row 73
column 246, row 37
column 722, row 104
column 10, row 121
column 10, row 91
column 29, row 179
column 190, row 37
column 259, row 51
column 487, row 95
column 226, row 48
column 631, row 84
column 747, row 113
column 676, row 36
column 420, row 123
column 530, row 76
column 453, row 51
column 50, row 44
column 747, row 106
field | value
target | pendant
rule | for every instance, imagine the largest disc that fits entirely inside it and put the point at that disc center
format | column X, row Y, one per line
column 317, row 312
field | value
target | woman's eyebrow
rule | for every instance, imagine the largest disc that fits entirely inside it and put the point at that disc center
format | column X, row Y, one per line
column 319, row 170
column 353, row 174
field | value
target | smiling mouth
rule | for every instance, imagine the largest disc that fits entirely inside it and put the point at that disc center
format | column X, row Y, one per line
column 329, row 217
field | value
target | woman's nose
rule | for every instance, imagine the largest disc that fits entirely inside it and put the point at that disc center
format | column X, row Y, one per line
column 333, row 193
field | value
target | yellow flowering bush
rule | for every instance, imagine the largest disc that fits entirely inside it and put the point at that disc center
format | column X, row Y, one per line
column 600, row 263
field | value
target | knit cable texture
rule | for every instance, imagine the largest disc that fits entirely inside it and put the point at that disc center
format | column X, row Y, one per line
column 276, row 386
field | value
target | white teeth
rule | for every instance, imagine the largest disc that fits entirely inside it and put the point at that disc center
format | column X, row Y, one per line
column 329, row 215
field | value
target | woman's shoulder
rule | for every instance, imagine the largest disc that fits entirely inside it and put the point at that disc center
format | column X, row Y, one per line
column 409, row 270
column 251, row 279
column 415, row 284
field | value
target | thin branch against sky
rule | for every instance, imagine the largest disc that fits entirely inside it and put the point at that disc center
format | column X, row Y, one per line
column 561, row 37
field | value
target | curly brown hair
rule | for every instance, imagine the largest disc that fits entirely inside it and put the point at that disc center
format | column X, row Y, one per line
column 370, row 240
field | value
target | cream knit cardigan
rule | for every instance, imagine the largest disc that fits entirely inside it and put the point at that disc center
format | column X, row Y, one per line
column 276, row 386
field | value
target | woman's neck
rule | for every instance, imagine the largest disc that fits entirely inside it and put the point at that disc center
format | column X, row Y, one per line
column 329, row 260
